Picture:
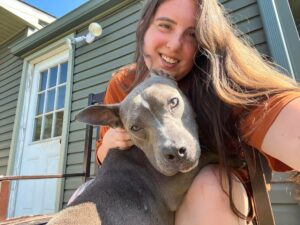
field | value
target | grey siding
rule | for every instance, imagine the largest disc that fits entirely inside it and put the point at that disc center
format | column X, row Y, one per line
column 286, row 209
column 93, row 67
column 10, row 76
column 244, row 15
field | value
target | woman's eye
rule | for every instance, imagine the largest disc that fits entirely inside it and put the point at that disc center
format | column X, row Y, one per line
column 135, row 128
column 191, row 34
column 173, row 102
column 164, row 26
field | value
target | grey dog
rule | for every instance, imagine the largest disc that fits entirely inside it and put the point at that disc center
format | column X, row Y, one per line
column 146, row 184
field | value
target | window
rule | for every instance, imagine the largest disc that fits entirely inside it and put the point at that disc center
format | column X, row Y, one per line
column 50, row 102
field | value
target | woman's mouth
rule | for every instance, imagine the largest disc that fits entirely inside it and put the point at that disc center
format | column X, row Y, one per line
column 169, row 60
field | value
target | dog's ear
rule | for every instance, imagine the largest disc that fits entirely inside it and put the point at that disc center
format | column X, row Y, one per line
column 107, row 115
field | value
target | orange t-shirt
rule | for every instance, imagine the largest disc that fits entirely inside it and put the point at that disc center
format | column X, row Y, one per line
column 253, row 128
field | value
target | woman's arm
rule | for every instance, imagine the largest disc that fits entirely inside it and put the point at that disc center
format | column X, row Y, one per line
column 282, row 140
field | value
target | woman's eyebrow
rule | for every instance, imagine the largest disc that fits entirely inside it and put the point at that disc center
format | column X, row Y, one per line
column 170, row 21
column 166, row 19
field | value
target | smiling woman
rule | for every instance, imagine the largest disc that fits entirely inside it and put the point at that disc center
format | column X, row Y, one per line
column 171, row 42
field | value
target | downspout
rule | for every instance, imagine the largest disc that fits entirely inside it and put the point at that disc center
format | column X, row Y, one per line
column 95, row 30
column 69, row 91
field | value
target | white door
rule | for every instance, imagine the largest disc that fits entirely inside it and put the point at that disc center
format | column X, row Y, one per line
column 41, row 151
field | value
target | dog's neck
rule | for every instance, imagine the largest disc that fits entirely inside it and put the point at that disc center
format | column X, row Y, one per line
column 171, row 189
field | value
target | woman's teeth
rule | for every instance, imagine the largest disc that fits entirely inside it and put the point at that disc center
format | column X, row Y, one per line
column 169, row 60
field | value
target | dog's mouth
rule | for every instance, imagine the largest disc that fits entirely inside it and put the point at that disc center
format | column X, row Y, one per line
column 186, row 169
column 171, row 168
column 177, row 163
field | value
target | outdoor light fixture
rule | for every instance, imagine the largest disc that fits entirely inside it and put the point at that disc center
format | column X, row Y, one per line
column 95, row 30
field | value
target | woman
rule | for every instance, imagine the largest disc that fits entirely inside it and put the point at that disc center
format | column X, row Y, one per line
column 237, row 96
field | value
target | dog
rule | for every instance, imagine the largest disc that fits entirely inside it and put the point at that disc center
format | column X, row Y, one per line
column 145, row 184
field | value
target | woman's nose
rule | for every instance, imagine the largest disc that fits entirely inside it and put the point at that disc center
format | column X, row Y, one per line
column 174, row 42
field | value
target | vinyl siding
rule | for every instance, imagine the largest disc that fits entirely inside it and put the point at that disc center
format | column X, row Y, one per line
column 286, row 210
column 93, row 67
column 244, row 15
column 10, row 76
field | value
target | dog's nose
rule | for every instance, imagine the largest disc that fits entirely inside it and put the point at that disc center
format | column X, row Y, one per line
column 173, row 153
column 181, row 152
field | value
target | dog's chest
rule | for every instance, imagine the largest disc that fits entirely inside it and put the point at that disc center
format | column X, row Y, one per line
column 126, row 191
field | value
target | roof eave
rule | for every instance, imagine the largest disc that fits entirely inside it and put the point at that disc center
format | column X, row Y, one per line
column 27, row 13
column 64, row 26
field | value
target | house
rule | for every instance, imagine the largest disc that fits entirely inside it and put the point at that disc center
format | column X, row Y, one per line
column 53, row 77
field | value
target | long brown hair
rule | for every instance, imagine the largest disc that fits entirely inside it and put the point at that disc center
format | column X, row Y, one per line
column 228, row 73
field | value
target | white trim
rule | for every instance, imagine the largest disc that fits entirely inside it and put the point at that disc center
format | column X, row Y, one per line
column 20, row 121
column 291, row 35
column 274, row 34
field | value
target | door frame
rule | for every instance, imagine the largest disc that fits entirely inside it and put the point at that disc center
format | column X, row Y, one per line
column 17, row 144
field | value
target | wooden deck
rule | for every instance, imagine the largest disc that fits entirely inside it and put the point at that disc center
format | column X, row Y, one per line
column 28, row 220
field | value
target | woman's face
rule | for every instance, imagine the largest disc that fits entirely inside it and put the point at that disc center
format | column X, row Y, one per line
column 169, row 42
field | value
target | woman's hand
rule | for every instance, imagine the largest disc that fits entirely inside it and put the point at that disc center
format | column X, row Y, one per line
column 114, row 138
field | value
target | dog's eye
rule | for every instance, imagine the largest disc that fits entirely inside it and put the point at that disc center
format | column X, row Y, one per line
column 173, row 102
column 135, row 128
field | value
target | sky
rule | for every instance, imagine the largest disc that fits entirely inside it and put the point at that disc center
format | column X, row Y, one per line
column 56, row 8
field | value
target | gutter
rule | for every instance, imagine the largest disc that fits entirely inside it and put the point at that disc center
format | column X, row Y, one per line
column 75, row 20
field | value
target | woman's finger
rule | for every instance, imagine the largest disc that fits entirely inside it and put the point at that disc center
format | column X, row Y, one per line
column 122, row 135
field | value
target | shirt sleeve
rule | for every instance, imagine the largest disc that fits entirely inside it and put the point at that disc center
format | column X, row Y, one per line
column 115, row 93
column 257, row 123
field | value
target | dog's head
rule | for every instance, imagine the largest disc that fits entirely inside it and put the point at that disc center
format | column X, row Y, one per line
column 160, row 121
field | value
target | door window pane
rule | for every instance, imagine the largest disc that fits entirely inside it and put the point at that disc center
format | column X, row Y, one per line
column 41, row 101
column 63, row 73
column 53, row 77
column 43, row 83
column 50, row 100
column 58, row 123
column 48, row 126
column 61, row 97
column 37, row 128
column 49, row 112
